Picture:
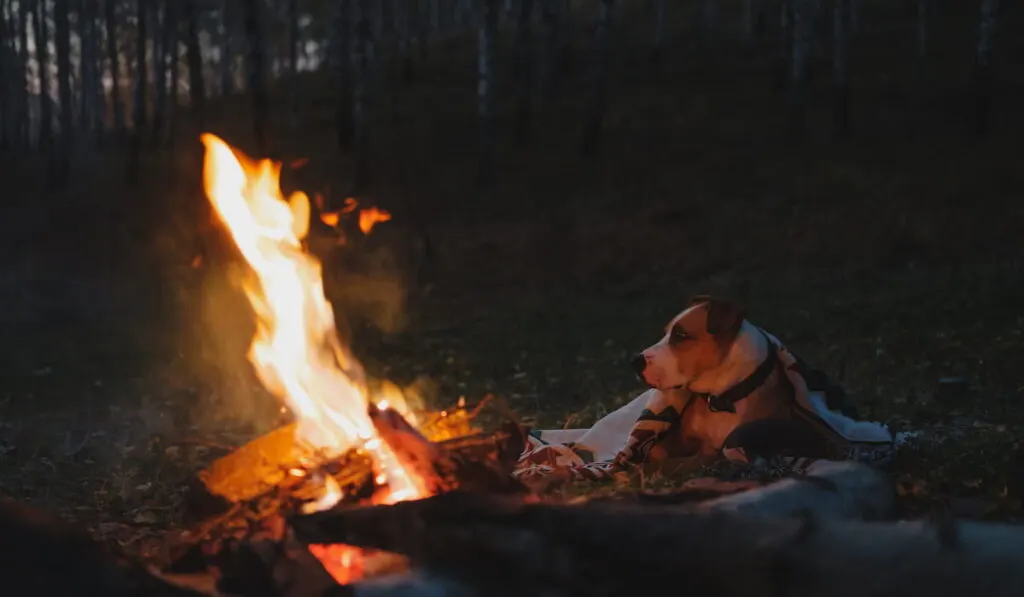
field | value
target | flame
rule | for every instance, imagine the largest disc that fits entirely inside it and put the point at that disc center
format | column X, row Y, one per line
column 371, row 216
column 296, row 350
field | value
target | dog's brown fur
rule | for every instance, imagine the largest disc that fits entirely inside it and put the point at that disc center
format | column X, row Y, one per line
column 702, row 343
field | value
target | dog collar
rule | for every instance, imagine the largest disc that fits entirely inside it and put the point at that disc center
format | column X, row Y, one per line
column 726, row 401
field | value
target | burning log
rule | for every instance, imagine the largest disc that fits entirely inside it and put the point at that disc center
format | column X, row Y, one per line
column 478, row 545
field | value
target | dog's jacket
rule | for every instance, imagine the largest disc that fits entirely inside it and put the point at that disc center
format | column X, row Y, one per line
column 612, row 444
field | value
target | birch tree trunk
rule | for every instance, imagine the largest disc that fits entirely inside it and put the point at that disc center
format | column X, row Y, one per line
column 658, row 50
column 174, row 85
column 67, row 123
column 141, row 83
column 983, row 67
column 487, row 33
column 361, row 73
column 226, row 63
column 524, row 58
column 257, row 70
column 25, row 133
column 342, row 60
column 196, row 86
column 802, row 25
column 45, row 98
column 594, row 131
column 114, row 56
column 840, row 74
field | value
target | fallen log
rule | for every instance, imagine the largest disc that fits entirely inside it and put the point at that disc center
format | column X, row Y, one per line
column 839, row 490
column 504, row 546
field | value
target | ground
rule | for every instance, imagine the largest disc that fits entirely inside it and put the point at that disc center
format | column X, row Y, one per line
column 889, row 260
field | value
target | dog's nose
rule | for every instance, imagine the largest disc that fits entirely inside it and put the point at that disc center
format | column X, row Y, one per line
column 639, row 364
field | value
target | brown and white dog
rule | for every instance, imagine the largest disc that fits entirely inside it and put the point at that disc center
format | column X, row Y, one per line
column 737, row 395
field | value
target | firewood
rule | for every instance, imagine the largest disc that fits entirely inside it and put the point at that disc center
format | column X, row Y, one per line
column 504, row 546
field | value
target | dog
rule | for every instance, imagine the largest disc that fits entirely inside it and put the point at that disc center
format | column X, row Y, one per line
column 738, row 400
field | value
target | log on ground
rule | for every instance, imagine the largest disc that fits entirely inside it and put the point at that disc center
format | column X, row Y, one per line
column 504, row 546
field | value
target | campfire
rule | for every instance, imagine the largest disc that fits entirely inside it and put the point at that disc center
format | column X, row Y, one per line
column 348, row 444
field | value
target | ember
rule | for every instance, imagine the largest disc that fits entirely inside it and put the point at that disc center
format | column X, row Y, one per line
column 296, row 351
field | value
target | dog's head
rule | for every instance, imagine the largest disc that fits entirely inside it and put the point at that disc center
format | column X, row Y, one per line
column 695, row 341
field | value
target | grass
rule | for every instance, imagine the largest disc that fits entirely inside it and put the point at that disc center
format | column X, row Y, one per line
column 889, row 260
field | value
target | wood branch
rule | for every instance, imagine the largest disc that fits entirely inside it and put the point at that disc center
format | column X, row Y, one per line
column 477, row 462
column 504, row 546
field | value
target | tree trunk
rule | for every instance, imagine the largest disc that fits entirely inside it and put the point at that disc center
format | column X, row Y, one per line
column 785, row 51
column 141, row 83
column 658, row 50
column 840, row 76
column 594, row 131
column 45, row 98
column 410, row 19
column 524, row 56
column 114, row 55
column 196, row 87
column 226, row 63
column 67, row 123
column 501, row 546
column 551, row 48
column 293, row 64
column 173, row 87
column 487, row 33
column 6, row 100
column 168, row 45
column 25, row 133
column 88, row 64
column 361, row 49
column 257, row 73
column 343, row 59
column 802, row 25
column 983, row 67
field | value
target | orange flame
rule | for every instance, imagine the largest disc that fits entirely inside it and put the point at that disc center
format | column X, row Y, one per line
column 370, row 217
column 296, row 351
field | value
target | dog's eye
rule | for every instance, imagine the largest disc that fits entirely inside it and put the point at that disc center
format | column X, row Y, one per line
column 678, row 336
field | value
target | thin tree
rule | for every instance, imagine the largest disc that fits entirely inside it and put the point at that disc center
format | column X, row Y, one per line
column 23, row 20
column 257, row 84
column 342, row 59
column 362, row 47
column 658, row 48
column 802, row 25
column 141, row 84
column 6, row 101
column 63, row 43
column 840, row 76
column 983, row 67
column 227, row 73
column 174, row 55
column 89, row 120
column 524, row 70
column 594, row 128
column 293, row 64
column 43, row 59
column 196, row 91
column 161, row 78
column 487, row 33
column 114, row 56
column 784, row 57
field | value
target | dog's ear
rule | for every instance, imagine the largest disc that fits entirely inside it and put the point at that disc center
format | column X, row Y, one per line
column 724, row 318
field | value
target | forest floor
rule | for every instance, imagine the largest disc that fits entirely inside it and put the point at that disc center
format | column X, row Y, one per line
column 889, row 260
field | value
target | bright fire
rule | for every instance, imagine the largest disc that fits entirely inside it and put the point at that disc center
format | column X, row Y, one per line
column 296, row 351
